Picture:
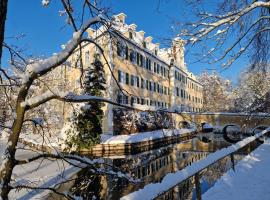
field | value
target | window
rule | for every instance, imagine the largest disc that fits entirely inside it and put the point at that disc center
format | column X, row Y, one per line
column 144, row 44
column 158, row 68
column 155, row 51
column 141, row 60
column 182, row 93
column 132, row 101
column 164, row 72
column 126, row 56
column 138, row 59
column 121, row 49
column 142, row 101
column 127, row 78
column 142, row 83
column 138, row 81
column 132, row 56
column 120, row 76
column 155, row 67
column 155, row 87
column 132, row 80
column 144, row 62
column 122, row 99
column 177, row 91
column 130, row 35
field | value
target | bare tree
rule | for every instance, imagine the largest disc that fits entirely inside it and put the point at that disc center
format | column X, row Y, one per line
column 216, row 92
column 237, row 27
column 29, row 74
column 252, row 92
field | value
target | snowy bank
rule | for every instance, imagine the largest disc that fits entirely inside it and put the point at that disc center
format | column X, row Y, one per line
column 249, row 181
column 145, row 136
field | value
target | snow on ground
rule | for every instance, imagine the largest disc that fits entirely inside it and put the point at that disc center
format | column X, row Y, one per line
column 42, row 172
column 145, row 136
column 38, row 139
column 249, row 181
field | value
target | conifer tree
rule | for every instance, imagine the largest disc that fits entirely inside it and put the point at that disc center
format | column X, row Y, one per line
column 88, row 122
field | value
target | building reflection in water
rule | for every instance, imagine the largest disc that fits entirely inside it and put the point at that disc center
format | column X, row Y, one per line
column 152, row 166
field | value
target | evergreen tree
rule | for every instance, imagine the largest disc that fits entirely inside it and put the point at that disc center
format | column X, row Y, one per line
column 88, row 122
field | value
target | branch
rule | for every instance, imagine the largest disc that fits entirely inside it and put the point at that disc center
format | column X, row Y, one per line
column 66, row 97
column 83, row 162
column 42, row 67
column 41, row 188
column 224, row 20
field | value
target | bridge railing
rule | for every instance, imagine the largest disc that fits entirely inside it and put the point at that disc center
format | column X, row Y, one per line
column 154, row 190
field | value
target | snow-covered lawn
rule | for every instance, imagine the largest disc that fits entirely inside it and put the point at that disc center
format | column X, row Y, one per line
column 39, row 173
column 250, row 181
column 145, row 136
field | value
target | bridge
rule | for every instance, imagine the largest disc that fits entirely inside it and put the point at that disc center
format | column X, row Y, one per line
column 247, row 122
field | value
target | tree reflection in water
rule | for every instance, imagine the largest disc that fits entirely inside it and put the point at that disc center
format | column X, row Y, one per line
column 152, row 166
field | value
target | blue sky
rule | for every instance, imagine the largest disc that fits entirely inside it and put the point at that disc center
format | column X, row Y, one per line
column 45, row 31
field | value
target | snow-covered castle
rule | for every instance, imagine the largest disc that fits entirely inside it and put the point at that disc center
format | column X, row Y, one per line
column 148, row 76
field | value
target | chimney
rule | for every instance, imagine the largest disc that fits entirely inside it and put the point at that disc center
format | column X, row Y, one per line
column 178, row 50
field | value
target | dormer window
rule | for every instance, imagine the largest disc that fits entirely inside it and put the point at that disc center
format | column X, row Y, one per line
column 144, row 44
column 130, row 35
column 156, row 52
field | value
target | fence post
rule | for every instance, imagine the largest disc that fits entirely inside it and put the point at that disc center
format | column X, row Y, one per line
column 198, row 186
column 232, row 160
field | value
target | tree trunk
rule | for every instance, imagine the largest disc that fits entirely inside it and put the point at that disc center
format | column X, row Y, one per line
column 3, row 14
column 9, row 162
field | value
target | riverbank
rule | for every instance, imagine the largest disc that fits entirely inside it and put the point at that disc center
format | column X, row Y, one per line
column 249, row 181
column 139, row 142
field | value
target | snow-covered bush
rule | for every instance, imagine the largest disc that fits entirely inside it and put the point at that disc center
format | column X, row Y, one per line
column 131, row 121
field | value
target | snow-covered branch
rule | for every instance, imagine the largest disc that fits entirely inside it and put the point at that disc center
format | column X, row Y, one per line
column 224, row 20
column 42, row 67
column 248, row 21
column 81, row 162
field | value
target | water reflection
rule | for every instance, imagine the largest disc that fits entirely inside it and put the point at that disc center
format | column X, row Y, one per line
column 153, row 165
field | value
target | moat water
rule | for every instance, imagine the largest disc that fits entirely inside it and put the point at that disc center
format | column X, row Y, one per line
column 152, row 166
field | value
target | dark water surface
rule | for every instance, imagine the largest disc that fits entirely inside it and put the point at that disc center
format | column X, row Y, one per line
column 152, row 166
